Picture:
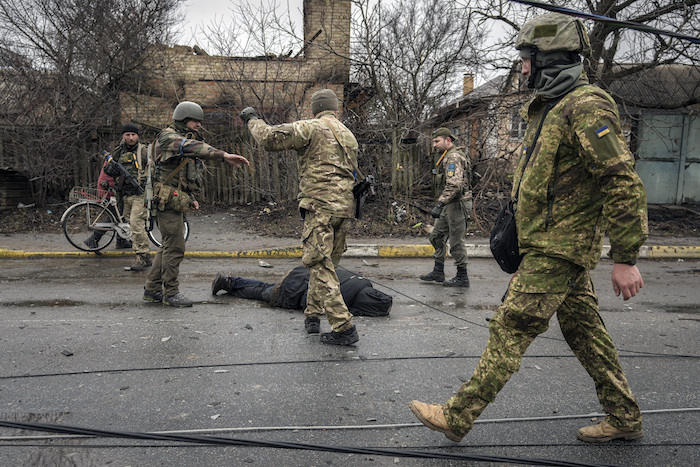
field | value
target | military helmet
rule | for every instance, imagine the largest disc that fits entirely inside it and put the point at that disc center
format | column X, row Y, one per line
column 554, row 32
column 187, row 109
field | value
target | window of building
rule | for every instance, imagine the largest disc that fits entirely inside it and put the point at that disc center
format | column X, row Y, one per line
column 517, row 126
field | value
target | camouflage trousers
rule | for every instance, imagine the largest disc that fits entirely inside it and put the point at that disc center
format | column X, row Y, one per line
column 135, row 214
column 542, row 287
column 164, row 273
column 452, row 226
column 324, row 240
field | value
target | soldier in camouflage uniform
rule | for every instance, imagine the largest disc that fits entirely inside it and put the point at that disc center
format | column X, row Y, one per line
column 131, row 154
column 327, row 157
column 178, row 173
column 452, row 210
column 579, row 182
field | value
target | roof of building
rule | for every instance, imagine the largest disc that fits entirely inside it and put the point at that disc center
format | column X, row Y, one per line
column 670, row 86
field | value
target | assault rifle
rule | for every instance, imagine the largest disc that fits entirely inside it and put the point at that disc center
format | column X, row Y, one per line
column 115, row 170
column 148, row 199
column 360, row 192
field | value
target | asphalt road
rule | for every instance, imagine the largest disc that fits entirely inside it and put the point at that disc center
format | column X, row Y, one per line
column 80, row 348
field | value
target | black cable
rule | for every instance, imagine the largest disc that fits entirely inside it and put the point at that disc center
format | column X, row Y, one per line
column 613, row 21
column 301, row 362
column 219, row 441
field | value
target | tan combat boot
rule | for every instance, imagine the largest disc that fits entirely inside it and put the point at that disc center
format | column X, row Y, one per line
column 432, row 416
column 604, row 432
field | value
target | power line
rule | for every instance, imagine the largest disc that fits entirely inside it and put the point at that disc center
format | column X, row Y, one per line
column 612, row 21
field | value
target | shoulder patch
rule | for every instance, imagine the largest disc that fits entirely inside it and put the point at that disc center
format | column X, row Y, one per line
column 602, row 131
column 451, row 170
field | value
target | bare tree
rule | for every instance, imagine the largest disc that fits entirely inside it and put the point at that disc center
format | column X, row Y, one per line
column 412, row 55
column 64, row 64
column 617, row 52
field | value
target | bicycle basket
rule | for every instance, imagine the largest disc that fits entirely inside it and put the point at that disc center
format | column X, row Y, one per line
column 81, row 193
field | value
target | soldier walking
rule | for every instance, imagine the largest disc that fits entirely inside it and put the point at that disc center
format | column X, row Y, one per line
column 575, row 181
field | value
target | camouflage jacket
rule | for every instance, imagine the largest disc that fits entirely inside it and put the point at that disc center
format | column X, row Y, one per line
column 580, row 181
column 133, row 160
column 456, row 170
column 326, row 170
column 175, row 143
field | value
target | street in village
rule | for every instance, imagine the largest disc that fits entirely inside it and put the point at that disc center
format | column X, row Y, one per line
column 82, row 349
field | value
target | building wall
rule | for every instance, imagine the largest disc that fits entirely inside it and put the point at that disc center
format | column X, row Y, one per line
column 224, row 85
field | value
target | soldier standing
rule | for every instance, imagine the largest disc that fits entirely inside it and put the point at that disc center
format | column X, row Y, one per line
column 451, row 211
column 578, row 180
column 178, row 175
column 130, row 154
column 327, row 157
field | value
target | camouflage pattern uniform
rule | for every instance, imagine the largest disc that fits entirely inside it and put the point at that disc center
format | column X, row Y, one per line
column 457, row 197
column 325, row 196
column 134, row 211
column 173, row 144
column 579, row 182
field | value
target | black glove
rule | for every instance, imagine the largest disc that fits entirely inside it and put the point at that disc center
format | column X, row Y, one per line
column 248, row 114
column 437, row 210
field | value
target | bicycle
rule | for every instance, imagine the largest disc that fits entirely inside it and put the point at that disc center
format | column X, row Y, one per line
column 96, row 211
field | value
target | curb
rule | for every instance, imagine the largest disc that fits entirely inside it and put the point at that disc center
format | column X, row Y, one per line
column 353, row 251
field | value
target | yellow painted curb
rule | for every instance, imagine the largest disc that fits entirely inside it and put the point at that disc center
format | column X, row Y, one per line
column 290, row 252
column 674, row 252
column 61, row 254
column 405, row 251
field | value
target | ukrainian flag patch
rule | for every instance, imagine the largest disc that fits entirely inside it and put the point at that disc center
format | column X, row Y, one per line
column 602, row 131
column 451, row 170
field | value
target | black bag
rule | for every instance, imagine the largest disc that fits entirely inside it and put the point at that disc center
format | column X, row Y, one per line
column 504, row 235
column 504, row 240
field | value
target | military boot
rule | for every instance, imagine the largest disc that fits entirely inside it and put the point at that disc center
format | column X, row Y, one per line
column 437, row 274
column 123, row 244
column 604, row 432
column 460, row 280
column 347, row 337
column 312, row 324
column 433, row 416
column 143, row 261
column 220, row 282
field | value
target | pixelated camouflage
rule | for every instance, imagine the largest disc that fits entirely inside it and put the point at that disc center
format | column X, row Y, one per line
column 565, row 213
column 325, row 169
column 457, row 170
column 554, row 32
column 538, row 291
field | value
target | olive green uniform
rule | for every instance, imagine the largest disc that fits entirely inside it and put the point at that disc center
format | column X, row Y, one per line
column 175, row 144
column 134, row 210
column 456, row 195
column 580, row 181
column 325, row 196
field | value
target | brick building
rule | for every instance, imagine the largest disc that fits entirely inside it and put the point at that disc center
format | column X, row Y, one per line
column 278, row 85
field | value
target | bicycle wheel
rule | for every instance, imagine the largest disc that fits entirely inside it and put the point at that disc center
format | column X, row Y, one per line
column 155, row 236
column 89, row 226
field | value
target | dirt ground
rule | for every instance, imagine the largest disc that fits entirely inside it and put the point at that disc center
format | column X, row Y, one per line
column 383, row 217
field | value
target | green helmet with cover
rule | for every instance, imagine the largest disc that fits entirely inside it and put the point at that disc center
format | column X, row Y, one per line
column 554, row 32
column 187, row 109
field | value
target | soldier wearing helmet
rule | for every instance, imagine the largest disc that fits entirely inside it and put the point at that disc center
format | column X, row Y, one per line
column 179, row 151
column 574, row 181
